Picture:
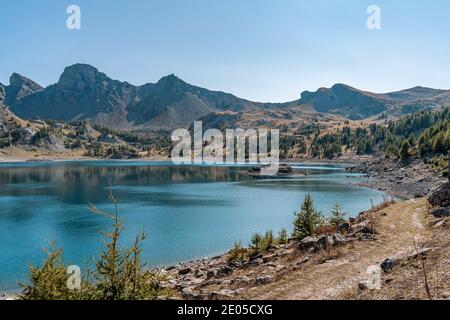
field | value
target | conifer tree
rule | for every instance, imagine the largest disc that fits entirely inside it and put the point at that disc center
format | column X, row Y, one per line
column 337, row 216
column 307, row 220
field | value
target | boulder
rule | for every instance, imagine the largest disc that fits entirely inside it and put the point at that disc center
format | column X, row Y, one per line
column 388, row 264
column 261, row 280
column 287, row 253
column 441, row 197
column 222, row 294
column 344, row 227
column 284, row 170
column 210, row 274
column 254, row 263
column 184, row 271
column 269, row 258
column 224, row 271
column 440, row 212
column 338, row 239
column 245, row 281
column 188, row 293
column 323, row 243
column 307, row 243
column 171, row 268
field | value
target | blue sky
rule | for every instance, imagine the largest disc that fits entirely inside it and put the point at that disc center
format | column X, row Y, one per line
column 264, row 50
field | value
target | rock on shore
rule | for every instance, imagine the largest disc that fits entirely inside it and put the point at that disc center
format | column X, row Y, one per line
column 218, row 278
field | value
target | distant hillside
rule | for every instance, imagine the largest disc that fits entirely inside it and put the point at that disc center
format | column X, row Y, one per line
column 356, row 104
column 84, row 93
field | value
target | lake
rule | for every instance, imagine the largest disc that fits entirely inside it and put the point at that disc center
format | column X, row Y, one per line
column 187, row 212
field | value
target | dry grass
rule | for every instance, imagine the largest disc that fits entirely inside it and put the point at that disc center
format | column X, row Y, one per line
column 330, row 254
column 424, row 277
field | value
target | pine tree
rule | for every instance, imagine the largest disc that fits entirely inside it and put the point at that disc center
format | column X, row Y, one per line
column 283, row 236
column 404, row 151
column 48, row 282
column 337, row 216
column 119, row 273
column 307, row 220
column 256, row 244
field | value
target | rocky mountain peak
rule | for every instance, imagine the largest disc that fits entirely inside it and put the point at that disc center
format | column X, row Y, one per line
column 171, row 80
column 79, row 76
column 20, row 87
column 20, row 82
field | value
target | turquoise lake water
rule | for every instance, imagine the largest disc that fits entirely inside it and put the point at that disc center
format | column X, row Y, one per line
column 187, row 212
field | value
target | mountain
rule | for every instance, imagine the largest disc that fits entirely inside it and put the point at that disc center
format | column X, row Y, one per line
column 84, row 93
column 20, row 87
column 357, row 104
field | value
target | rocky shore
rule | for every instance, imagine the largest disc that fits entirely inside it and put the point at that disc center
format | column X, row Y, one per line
column 220, row 278
column 405, row 179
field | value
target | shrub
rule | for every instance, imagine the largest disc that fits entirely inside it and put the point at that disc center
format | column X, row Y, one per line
column 237, row 253
column 307, row 220
column 262, row 243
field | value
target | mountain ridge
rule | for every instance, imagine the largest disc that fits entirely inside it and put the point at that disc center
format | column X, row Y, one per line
column 84, row 93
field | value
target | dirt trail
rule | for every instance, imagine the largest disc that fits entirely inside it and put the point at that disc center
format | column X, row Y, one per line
column 398, row 224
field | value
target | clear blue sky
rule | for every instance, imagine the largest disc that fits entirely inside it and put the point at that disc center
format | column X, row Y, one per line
column 264, row 50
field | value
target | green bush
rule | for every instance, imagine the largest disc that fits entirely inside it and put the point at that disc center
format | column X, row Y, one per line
column 238, row 253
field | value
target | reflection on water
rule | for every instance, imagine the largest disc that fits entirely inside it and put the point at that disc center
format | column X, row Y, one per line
column 188, row 212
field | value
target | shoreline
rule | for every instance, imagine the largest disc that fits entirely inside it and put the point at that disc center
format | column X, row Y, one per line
column 375, row 182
